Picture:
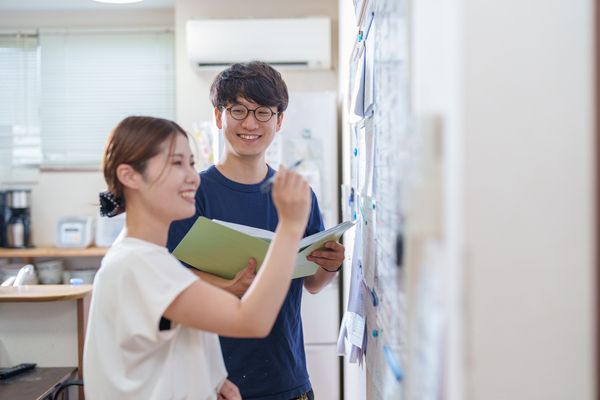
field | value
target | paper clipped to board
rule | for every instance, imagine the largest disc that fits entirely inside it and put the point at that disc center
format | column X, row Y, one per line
column 224, row 248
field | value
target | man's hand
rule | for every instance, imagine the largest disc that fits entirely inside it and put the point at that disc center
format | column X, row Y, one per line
column 328, row 257
column 243, row 279
column 229, row 391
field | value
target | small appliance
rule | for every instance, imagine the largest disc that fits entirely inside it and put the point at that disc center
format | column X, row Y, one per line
column 74, row 231
column 3, row 218
column 18, row 224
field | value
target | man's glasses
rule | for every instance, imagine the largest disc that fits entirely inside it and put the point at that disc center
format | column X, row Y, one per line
column 240, row 112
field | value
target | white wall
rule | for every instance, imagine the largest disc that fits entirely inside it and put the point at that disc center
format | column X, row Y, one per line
column 193, row 86
column 529, row 217
column 437, row 52
column 514, row 84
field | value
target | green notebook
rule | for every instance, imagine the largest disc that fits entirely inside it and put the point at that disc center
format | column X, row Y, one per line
column 223, row 248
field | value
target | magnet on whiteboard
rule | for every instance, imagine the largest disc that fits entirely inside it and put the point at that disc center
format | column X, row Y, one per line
column 374, row 298
column 399, row 249
column 393, row 363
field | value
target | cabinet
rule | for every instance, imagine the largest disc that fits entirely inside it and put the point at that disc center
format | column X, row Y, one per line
column 44, row 324
column 38, row 384
column 320, row 320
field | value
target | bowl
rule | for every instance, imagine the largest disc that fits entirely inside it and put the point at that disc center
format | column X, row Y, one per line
column 86, row 275
column 50, row 272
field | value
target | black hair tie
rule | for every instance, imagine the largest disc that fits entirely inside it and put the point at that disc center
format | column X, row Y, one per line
column 110, row 205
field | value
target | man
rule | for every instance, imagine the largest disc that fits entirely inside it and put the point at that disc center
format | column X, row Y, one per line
column 249, row 101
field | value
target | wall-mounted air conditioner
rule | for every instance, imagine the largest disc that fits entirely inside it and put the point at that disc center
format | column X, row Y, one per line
column 289, row 42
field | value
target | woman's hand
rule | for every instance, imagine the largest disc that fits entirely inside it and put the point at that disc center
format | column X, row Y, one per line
column 291, row 195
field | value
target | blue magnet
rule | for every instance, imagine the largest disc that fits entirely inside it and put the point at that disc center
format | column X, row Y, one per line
column 374, row 298
column 355, row 152
column 375, row 333
column 393, row 363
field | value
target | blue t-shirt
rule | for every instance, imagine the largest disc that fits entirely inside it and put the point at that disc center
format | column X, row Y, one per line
column 273, row 368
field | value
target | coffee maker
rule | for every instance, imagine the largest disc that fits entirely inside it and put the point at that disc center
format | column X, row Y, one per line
column 3, row 218
column 18, row 223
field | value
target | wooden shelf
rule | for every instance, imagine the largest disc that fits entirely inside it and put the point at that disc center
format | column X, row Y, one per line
column 52, row 252
column 36, row 293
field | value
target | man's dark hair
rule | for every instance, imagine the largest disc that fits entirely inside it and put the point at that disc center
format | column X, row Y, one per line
column 255, row 81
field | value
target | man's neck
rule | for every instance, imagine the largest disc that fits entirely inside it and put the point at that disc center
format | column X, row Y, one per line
column 247, row 171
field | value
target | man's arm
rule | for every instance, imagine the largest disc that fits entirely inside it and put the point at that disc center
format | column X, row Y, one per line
column 329, row 258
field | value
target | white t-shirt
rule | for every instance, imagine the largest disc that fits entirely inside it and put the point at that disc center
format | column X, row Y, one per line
column 126, row 356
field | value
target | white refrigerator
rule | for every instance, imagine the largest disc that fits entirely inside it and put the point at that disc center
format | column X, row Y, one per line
column 310, row 133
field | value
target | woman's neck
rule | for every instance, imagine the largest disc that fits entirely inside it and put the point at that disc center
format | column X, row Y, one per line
column 145, row 226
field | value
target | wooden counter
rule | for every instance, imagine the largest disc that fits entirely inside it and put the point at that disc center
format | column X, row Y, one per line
column 36, row 293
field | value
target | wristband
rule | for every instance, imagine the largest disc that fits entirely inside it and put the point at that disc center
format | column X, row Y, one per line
column 334, row 270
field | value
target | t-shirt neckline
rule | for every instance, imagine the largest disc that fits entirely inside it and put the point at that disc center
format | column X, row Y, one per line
column 241, row 187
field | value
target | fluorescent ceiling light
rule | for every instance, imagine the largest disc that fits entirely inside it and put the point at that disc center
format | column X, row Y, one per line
column 118, row 1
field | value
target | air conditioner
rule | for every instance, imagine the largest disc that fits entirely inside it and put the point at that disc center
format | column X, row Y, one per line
column 289, row 42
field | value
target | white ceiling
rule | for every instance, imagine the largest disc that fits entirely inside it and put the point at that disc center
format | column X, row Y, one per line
column 37, row 5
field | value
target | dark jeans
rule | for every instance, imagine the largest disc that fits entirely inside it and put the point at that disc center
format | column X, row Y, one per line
column 310, row 395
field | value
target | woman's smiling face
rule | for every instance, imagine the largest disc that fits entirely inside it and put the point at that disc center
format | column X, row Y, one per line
column 171, row 181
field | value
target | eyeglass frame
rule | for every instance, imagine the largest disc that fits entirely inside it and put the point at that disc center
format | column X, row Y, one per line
column 248, row 110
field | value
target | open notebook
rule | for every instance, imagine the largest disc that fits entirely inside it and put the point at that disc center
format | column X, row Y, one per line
column 223, row 248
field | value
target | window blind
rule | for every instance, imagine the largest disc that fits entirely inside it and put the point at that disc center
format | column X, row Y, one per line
column 19, row 104
column 92, row 80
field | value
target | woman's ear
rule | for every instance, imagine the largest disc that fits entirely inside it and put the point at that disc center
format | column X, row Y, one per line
column 128, row 176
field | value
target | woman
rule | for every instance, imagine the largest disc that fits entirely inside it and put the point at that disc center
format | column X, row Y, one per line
column 153, row 325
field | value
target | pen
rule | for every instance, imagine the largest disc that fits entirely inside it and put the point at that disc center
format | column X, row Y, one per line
column 265, row 187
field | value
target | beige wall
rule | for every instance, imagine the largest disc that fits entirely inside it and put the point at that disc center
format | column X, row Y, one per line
column 58, row 194
column 192, row 85
column 85, row 19
column 68, row 193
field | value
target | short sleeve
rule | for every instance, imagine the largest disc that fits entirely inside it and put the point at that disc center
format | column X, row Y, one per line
column 315, row 219
column 146, row 288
